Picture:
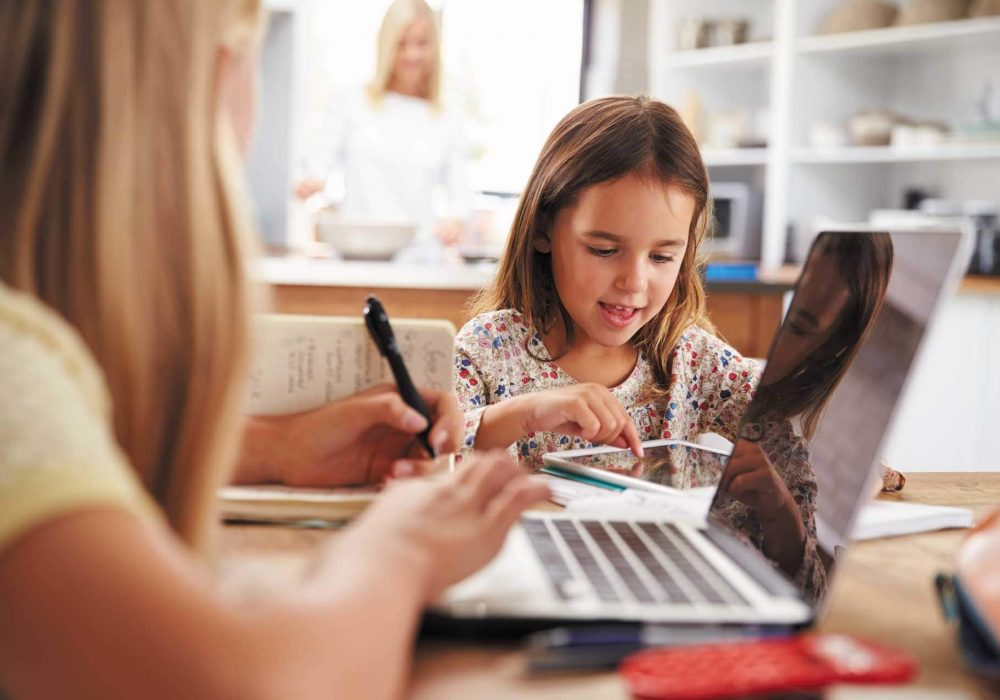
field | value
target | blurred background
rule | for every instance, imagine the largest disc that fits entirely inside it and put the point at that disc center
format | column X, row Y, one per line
column 811, row 116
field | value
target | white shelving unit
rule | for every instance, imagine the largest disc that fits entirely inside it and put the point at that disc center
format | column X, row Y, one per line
column 924, row 72
column 799, row 77
column 757, row 53
column 721, row 157
column 962, row 34
column 890, row 154
column 736, row 79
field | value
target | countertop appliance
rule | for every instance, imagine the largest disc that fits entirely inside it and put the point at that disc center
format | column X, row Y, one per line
column 737, row 209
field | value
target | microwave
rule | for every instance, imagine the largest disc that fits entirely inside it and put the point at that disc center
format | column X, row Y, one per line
column 737, row 221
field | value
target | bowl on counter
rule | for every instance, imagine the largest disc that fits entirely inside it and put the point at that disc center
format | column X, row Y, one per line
column 362, row 238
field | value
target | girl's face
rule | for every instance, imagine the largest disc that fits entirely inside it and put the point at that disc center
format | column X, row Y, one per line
column 616, row 254
column 413, row 55
column 812, row 319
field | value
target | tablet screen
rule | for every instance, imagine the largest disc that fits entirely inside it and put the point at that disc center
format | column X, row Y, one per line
column 677, row 466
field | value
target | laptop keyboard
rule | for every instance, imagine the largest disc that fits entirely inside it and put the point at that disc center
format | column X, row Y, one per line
column 636, row 562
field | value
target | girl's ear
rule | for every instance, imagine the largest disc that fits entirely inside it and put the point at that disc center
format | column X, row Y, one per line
column 541, row 242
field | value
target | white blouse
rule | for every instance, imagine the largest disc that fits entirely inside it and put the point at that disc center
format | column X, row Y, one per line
column 399, row 160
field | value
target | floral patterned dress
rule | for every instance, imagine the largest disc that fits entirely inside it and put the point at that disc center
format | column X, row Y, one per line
column 711, row 387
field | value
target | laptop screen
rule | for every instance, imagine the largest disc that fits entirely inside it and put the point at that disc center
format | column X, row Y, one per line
column 803, row 466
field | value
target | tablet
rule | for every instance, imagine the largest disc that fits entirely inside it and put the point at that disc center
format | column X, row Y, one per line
column 667, row 465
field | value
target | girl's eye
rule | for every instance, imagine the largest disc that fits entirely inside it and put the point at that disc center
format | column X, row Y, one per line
column 602, row 252
column 661, row 259
column 797, row 329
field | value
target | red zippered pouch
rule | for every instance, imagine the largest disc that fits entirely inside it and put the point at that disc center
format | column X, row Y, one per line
column 766, row 666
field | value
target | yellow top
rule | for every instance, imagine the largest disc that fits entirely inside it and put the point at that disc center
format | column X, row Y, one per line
column 57, row 448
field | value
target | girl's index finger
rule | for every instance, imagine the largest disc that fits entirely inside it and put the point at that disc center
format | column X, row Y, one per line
column 631, row 436
column 629, row 433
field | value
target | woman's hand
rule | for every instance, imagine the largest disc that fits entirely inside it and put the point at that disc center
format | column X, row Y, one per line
column 308, row 187
column 443, row 530
column 450, row 231
column 358, row 440
column 588, row 411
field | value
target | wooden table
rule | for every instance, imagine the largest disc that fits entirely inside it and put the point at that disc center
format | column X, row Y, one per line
column 883, row 590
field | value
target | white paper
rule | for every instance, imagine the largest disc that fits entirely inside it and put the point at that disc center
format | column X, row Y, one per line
column 889, row 519
column 566, row 491
column 688, row 505
column 877, row 519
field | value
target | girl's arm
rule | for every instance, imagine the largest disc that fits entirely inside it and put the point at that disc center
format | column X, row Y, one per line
column 776, row 479
column 495, row 419
column 751, row 478
column 504, row 423
column 101, row 603
column 471, row 390
column 589, row 411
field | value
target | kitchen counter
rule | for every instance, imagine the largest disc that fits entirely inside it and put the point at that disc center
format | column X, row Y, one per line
column 746, row 312
column 290, row 270
column 298, row 270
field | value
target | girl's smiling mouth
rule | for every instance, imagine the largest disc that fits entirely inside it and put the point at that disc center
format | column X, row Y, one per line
column 618, row 316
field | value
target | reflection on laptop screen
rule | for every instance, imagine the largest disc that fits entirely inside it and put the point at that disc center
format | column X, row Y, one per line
column 801, row 471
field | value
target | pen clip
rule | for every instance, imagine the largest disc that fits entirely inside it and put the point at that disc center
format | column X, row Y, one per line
column 378, row 325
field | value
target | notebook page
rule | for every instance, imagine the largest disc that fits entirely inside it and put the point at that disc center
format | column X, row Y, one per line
column 303, row 362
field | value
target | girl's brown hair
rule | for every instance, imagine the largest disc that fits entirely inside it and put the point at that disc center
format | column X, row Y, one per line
column 864, row 266
column 600, row 141
column 121, row 210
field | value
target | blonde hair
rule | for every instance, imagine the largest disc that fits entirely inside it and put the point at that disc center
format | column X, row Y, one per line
column 122, row 211
column 400, row 15
column 600, row 141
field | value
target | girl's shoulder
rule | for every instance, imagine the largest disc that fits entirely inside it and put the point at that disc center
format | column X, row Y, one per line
column 491, row 332
column 699, row 347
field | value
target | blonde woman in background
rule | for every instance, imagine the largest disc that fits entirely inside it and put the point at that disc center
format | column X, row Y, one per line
column 402, row 155
column 123, row 324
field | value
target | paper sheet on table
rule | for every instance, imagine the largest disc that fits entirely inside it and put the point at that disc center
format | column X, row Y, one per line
column 890, row 519
column 690, row 505
column 877, row 519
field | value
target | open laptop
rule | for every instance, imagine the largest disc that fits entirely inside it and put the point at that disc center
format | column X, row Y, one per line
column 835, row 372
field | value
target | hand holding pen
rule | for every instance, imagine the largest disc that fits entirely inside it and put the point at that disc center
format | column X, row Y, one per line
column 377, row 322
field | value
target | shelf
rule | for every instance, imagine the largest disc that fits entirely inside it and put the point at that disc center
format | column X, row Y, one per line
column 753, row 54
column 888, row 154
column 983, row 32
column 734, row 156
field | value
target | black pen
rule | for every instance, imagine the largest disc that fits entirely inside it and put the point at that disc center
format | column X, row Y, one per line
column 385, row 340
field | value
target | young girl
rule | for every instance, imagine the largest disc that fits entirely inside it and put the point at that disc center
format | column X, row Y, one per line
column 123, row 342
column 595, row 331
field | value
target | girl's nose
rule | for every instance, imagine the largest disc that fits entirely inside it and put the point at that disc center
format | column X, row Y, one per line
column 633, row 277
